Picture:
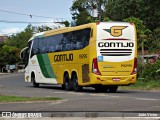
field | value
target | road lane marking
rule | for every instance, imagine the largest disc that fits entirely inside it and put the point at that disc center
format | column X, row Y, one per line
column 105, row 95
column 26, row 102
column 115, row 96
column 59, row 92
column 75, row 93
column 134, row 98
column 98, row 95
column 145, row 99
column 50, row 104
column 72, row 93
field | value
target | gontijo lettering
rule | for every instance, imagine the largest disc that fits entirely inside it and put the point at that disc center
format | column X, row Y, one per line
column 115, row 44
column 63, row 57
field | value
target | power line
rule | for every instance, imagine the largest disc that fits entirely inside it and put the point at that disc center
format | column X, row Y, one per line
column 26, row 22
column 30, row 15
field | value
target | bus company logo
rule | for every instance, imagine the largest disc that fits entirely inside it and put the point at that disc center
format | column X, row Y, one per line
column 116, row 31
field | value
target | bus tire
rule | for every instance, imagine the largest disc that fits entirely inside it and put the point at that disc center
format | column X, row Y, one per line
column 63, row 86
column 34, row 81
column 67, row 83
column 113, row 89
column 76, row 87
column 101, row 88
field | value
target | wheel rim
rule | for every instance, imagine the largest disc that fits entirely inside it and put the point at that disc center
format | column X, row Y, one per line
column 75, row 83
column 66, row 82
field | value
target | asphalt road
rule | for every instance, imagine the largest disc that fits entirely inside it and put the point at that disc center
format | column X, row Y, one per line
column 87, row 100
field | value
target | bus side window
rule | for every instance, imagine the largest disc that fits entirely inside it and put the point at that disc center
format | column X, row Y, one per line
column 51, row 44
column 34, row 47
column 54, row 43
column 42, row 45
column 79, row 39
column 79, row 45
column 86, row 37
column 73, row 41
column 62, row 41
column 65, row 41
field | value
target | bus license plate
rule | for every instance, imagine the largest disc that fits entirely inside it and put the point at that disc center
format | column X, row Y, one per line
column 116, row 79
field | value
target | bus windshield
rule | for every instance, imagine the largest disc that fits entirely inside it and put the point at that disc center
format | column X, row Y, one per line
column 24, row 55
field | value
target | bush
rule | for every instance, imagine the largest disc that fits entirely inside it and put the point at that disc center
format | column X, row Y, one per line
column 152, row 71
column 140, row 67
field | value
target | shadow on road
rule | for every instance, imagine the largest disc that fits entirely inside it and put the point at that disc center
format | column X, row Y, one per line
column 85, row 89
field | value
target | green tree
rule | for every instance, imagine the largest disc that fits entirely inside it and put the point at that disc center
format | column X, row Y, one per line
column 20, row 39
column 81, row 10
column 142, row 31
column 153, row 41
column 41, row 28
column 9, row 55
column 66, row 23
column 10, row 50
column 146, row 10
column 142, row 35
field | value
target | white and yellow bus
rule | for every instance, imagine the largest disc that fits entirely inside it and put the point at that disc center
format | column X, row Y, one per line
column 102, row 55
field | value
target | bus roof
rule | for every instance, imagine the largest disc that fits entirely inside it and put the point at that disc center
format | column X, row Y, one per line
column 68, row 29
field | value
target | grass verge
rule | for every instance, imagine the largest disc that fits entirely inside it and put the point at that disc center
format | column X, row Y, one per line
column 143, row 85
column 4, row 98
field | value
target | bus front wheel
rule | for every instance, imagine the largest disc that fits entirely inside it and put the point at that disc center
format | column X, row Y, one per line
column 34, row 81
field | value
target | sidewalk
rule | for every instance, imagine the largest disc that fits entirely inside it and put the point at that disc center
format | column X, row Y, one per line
column 6, row 73
column 1, row 73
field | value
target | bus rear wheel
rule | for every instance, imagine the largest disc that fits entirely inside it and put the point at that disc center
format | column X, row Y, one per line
column 67, row 83
column 101, row 88
column 113, row 89
column 34, row 81
column 76, row 87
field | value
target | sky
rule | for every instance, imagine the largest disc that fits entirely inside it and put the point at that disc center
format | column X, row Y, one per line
column 20, row 11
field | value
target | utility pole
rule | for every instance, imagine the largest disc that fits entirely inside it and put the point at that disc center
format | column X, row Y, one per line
column 142, row 56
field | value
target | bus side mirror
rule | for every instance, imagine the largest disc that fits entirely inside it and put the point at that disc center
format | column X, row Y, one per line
column 23, row 52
